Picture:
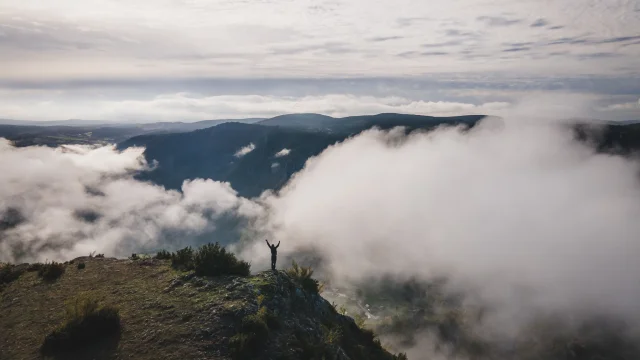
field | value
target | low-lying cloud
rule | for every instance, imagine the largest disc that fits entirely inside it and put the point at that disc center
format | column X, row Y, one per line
column 245, row 150
column 192, row 107
column 57, row 204
column 522, row 213
column 283, row 152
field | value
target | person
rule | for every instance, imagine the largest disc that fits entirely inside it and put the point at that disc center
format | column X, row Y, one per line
column 274, row 253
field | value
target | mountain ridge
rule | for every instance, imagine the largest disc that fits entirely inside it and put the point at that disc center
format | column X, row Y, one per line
column 172, row 314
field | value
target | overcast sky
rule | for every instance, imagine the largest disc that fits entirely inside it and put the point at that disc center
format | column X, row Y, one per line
column 144, row 60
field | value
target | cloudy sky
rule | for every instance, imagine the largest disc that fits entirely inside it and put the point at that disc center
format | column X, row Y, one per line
column 144, row 60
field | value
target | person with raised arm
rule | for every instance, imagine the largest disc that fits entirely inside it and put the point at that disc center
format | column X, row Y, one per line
column 274, row 253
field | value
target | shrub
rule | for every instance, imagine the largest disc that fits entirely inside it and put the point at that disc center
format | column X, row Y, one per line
column 183, row 259
column 9, row 273
column 214, row 260
column 86, row 322
column 100, row 256
column 81, row 265
column 134, row 256
column 51, row 271
column 332, row 336
column 302, row 275
column 163, row 255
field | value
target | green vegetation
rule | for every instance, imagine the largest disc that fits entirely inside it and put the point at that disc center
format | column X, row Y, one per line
column 51, row 271
column 168, row 314
column 214, row 260
column 86, row 322
column 9, row 273
column 163, row 255
column 207, row 260
column 81, row 265
column 183, row 259
column 303, row 276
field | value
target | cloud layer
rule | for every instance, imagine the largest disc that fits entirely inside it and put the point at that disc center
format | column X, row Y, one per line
column 328, row 38
column 522, row 214
column 60, row 203
column 472, row 45
column 191, row 107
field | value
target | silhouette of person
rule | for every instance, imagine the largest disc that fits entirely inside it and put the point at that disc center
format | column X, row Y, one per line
column 274, row 253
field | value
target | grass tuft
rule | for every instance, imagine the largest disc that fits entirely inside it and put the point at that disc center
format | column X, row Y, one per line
column 85, row 322
column 303, row 276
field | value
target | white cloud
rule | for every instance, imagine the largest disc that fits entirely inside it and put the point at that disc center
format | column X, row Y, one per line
column 190, row 107
column 501, row 208
column 66, row 203
column 283, row 152
column 245, row 150
column 146, row 38
column 623, row 106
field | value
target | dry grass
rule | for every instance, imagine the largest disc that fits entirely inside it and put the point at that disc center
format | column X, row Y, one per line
column 156, row 323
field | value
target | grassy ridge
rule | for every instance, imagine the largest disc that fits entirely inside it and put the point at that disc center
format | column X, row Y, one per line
column 166, row 313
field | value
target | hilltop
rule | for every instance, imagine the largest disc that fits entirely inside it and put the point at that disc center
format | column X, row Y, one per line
column 170, row 314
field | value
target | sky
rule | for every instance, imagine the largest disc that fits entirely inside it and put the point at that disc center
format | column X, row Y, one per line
column 168, row 60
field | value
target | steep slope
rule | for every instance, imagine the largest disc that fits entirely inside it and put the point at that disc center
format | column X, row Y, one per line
column 211, row 153
column 167, row 314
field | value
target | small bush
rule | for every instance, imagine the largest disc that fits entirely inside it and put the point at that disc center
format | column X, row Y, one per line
column 134, row 256
column 86, row 322
column 34, row 267
column 100, row 256
column 332, row 336
column 51, row 271
column 183, row 259
column 9, row 273
column 214, row 260
column 81, row 265
column 163, row 255
column 302, row 275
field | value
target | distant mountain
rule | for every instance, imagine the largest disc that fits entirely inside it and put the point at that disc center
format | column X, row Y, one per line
column 175, row 125
column 71, row 122
column 301, row 121
column 610, row 137
column 212, row 152
column 356, row 124
column 190, row 126
column 39, row 133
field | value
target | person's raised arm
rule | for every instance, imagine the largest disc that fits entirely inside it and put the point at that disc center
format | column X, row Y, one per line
column 277, row 246
column 269, row 245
